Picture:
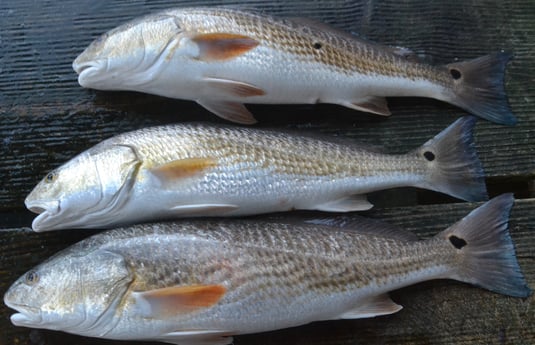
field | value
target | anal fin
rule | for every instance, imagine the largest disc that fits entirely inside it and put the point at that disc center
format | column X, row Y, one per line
column 346, row 204
column 372, row 104
column 376, row 306
column 229, row 110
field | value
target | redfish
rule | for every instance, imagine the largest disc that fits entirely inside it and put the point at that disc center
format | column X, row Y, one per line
column 190, row 170
column 222, row 58
column 201, row 282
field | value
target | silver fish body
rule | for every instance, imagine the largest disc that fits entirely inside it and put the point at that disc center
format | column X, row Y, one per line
column 198, row 170
column 203, row 281
column 223, row 58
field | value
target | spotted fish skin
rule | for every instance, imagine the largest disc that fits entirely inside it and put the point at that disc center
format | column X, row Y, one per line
column 206, row 280
column 223, row 58
column 192, row 170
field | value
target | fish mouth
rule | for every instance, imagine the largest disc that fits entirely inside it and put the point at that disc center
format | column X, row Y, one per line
column 45, row 210
column 26, row 316
column 86, row 70
column 79, row 69
column 22, row 319
column 81, row 63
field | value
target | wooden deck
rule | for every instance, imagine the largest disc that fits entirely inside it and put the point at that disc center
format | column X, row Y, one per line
column 46, row 118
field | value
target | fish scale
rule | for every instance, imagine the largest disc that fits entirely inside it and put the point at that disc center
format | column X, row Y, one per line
column 316, row 257
column 202, row 281
column 284, row 153
column 193, row 170
column 276, row 35
column 342, row 54
column 223, row 58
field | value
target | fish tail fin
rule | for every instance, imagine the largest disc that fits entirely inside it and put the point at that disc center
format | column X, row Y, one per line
column 478, row 87
column 454, row 167
column 484, row 251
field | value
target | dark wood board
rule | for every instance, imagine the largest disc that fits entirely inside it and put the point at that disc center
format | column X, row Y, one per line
column 46, row 118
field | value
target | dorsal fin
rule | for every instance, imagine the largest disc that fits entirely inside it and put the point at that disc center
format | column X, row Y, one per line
column 316, row 25
column 366, row 226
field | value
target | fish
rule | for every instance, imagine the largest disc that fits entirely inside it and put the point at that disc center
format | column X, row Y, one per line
column 222, row 58
column 194, row 170
column 204, row 281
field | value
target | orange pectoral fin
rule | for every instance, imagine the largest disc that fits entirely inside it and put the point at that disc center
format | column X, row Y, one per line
column 182, row 168
column 223, row 46
column 233, row 87
column 175, row 300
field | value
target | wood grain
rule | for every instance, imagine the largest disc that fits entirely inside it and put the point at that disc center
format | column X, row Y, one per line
column 46, row 118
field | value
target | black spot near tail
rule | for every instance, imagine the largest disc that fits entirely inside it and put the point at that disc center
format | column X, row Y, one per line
column 479, row 87
column 488, row 256
column 430, row 156
column 454, row 167
column 455, row 73
column 457, row 242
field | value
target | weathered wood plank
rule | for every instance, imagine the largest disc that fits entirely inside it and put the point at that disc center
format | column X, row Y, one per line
column 47, row 117
column 438, row 312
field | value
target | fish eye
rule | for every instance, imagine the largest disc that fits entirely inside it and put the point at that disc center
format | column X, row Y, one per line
column 101, row 38
column 31, row 278
column 51, row 177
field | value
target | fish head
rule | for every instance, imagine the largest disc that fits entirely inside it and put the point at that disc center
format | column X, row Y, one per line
column 71, row 291
column 80, row 193
column 74, row 184
column 129, row 56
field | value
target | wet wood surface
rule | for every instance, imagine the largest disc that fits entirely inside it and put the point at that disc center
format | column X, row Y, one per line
column 46, row 118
